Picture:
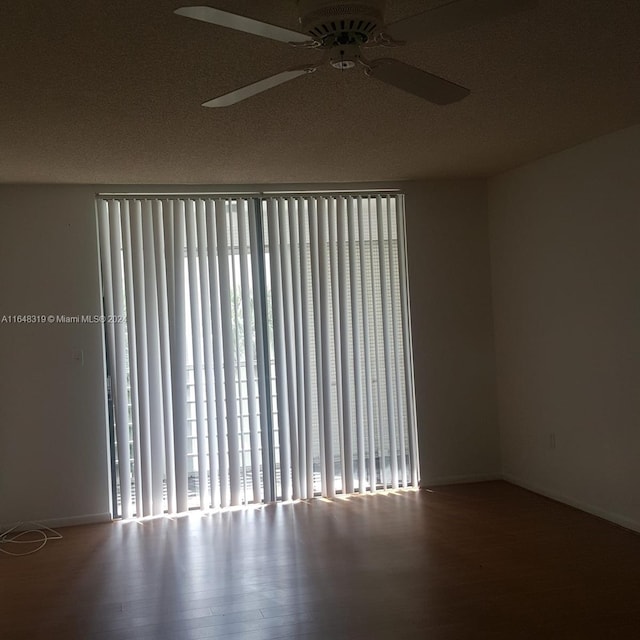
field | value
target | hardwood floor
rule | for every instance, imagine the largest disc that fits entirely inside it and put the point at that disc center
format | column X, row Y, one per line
column 473, row 561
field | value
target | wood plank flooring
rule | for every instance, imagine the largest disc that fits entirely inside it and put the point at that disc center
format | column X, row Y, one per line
column 473, row 561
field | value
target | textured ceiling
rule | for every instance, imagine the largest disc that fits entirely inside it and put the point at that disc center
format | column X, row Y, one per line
column 109, row 91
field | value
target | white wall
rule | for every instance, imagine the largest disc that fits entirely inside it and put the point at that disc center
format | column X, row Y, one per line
column 53, row 444
column 565, row 249
column 565, row 267
column 454, row 362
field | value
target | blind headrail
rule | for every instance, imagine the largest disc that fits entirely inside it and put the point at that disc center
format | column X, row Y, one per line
column 243, row 194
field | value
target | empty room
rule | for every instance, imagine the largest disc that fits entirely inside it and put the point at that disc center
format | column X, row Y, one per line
column 320, row 320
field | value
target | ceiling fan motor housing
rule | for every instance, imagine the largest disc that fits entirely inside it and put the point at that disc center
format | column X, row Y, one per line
column 340, row 23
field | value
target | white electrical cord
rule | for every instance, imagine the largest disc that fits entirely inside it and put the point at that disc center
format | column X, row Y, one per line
column 19, row 535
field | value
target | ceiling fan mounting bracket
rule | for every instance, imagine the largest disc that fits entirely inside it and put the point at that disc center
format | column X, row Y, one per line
column 334, row 23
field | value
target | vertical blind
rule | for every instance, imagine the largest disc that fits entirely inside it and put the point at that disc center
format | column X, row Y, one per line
column 263, row 350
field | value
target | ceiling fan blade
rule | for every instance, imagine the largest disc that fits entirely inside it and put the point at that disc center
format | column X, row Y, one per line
column 257, row 87
column 451, row 16
column 241, row 23
column 419, row 83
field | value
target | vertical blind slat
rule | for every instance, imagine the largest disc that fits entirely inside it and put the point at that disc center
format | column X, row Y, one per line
column 179, row 356
column 249, row 351
column 198, row 356
column 135, row 213
column 386, row 342
column 314, row 241
column 207, row 352
column 286, row 247
column 109, row 272
column 262, row 360
column 298, row 355
column 297, row 319
column 236, row 316
column 156, row 409
column 120, row 389
column 165, row 356
column 325, row 343
column 110, row 232
column 335, row 285
column 308, row 389
column 222, row 231
column 346, row 355
column 279, row 349
column 363, row 233
column 396, row 344
column 219, row 430
column 374, row 306
column 357, row 351
column 407, row 344
column 131, row 345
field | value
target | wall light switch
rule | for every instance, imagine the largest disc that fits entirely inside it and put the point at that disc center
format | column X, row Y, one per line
column 77, row 355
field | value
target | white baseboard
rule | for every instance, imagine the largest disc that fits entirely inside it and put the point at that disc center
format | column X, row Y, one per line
column 437, row 481
column 616, row 518
column 71, row 521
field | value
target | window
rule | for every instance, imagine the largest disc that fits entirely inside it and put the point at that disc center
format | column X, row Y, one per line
column 264, row 351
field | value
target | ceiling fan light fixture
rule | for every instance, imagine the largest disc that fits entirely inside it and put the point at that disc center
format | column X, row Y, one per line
column 345, row 57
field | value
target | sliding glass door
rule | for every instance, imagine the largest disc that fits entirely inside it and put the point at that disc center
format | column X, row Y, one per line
column 260, row 348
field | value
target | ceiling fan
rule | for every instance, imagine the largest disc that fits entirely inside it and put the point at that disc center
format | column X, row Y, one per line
column 342, row 30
